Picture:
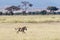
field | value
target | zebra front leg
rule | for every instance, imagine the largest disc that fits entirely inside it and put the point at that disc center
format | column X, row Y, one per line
column 17, row 31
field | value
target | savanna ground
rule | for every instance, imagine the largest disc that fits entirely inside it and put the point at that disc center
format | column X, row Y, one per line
column 40, row 27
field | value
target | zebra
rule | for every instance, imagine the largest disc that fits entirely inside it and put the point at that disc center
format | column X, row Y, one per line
column 21, row 29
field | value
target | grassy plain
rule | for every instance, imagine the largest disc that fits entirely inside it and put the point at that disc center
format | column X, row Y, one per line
column 36, row 31
column 40, row 27
column 30, row 19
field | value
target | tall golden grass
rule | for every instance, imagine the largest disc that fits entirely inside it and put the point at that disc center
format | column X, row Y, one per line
column 36, row 31
column 30, row 19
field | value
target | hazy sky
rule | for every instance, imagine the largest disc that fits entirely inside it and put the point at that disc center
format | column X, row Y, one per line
column 36, row 3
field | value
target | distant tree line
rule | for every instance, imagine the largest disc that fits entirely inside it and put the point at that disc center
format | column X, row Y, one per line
column 51, row 9
column 26, row 5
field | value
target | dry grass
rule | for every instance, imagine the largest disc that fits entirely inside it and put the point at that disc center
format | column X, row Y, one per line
column 30, row 19
column 39, row 31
